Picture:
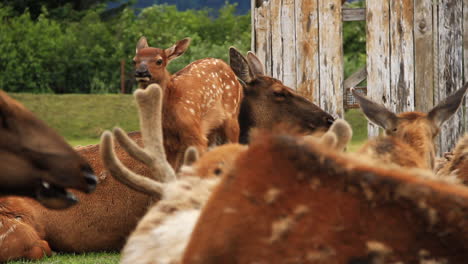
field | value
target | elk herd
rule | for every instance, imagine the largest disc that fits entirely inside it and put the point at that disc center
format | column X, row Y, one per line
column 232, row 166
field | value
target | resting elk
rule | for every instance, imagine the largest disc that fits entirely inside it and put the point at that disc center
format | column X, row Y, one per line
column 103, row 219
column 291, row 200
column 161, row 235
column 409, row 139
column 37, row 162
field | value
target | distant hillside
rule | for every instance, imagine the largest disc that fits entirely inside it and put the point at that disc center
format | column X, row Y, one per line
column 243, row 6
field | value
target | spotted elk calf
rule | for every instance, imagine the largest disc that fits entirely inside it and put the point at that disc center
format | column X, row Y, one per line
column 268, row 102
column 409, row 137
column 201, row 99
column 163, row 232
column 37, row 162
column 294, row 201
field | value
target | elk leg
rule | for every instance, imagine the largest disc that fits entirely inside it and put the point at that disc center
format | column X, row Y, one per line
column 39, row 250
column 231, row 130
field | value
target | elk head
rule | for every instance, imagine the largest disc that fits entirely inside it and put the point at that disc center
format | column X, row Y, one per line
column 35, row 161
column 268, row 102
column 414, row 128
column 150, row 63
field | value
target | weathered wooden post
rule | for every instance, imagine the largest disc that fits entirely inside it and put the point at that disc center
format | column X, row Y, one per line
column 300, row 43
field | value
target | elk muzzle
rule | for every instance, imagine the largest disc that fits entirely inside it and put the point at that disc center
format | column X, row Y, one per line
column 142, row 74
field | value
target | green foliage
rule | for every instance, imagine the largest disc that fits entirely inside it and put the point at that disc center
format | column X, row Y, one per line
column 354, row 42
column 83, row 55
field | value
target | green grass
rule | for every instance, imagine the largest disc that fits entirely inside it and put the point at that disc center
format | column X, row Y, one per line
column 88, row 258
column 81, row 118
column 359, row 124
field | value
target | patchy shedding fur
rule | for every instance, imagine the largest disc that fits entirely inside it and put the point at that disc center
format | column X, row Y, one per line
column 352, row 203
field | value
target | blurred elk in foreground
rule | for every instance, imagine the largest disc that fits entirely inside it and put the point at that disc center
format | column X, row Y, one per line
column 409, row 137
column 201, row 99
column 291, row 200
column 163, row 232
column 37, row 162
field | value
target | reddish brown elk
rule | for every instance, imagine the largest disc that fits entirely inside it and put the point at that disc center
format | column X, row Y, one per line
column 409, row 137
column 35, row 161
column 275, row 207
column 268, row 102
column 202, row 98
column 102, row 220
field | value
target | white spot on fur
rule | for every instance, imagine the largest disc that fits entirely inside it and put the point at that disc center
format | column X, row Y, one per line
column 228, row 87
column 229, row 210
column 7, row 233
column 271, row 195
column 192, row 111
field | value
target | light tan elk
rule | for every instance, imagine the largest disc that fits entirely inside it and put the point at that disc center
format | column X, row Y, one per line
column 295, row 201
column 201, row 99
column 161, row 235
column 37, row 162
column 103, row 219
column 457, row 163
column 409, row 137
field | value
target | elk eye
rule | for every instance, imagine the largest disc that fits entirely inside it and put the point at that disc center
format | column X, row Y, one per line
column 279, row 94
column 19, row 217
column 217, row 171
column 159, row 62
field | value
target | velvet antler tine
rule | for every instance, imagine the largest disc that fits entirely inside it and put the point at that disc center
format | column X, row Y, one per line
column 122, row 173
column 150, row 110
column 131, row 147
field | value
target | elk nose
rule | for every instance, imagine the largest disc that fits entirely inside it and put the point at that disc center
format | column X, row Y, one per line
column 330, row 120
column 142, row 72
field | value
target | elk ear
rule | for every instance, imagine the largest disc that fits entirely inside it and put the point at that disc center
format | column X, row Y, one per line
column 376, row 113
column 256, row 66
column 177, row 49
column 240, row 66
column 141, row 44
column 190, row 156
column 445, row 109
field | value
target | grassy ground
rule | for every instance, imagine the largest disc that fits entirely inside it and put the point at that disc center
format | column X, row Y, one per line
column 82, row 118
column 90, row 258
column 359, row 124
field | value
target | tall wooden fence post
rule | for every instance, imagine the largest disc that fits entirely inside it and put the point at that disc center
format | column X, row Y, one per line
column 122, row 76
